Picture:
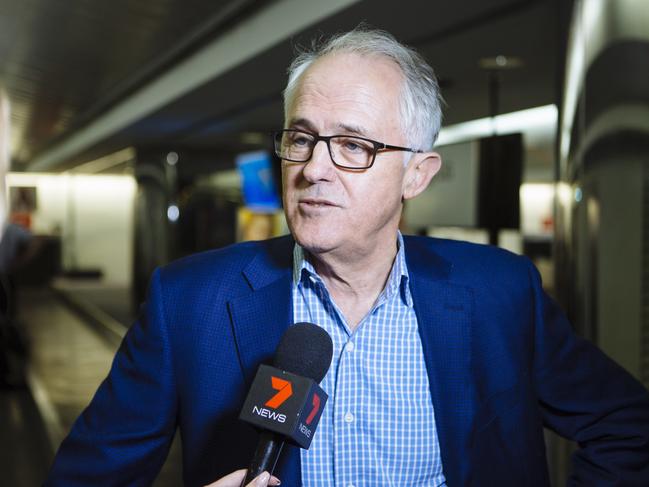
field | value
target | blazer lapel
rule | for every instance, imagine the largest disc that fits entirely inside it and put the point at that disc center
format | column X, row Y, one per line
column 443, row 313
column 259, row 319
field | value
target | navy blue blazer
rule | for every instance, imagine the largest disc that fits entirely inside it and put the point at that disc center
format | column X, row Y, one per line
column 502, row 362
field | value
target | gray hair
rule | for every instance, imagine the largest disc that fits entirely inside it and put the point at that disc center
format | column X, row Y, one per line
column 420, row 105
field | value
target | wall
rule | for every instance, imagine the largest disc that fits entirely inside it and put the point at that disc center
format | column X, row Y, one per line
column 93, row 214
column 621, row 217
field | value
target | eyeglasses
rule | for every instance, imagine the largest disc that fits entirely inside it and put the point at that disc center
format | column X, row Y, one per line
column 346, row 151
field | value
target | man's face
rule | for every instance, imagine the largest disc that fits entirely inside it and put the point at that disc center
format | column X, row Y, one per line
column 331, row 209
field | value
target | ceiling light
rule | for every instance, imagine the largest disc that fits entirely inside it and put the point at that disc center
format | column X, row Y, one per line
column 501, row 62
column 254, row 138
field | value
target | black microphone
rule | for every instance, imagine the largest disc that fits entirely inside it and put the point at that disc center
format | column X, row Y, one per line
column 285, row 401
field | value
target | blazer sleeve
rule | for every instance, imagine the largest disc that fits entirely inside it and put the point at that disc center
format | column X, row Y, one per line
column 123, row 436
column 587, row 397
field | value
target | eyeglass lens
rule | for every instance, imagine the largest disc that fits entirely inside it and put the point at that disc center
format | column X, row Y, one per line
column 346, row 151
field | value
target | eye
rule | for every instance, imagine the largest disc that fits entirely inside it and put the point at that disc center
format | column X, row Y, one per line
column 354, row 146
column 300, row 140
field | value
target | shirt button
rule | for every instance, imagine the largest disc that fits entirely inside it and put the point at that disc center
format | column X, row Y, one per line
column 350, row 346
column 349, row 418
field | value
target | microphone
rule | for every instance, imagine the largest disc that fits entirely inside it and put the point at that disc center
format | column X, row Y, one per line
column 285, row 402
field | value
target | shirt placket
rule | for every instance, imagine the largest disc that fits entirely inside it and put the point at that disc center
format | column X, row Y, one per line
column 347, row 417
column 345, row 414
column 333, row 384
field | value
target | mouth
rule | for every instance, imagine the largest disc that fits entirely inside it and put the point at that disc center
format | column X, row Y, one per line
column 316, row 203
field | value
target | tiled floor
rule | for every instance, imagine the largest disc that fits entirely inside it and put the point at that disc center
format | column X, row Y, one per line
column 68, row 362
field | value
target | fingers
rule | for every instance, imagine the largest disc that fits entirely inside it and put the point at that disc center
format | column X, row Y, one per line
column 232, row 480
column 235, row 478
column 263, row 480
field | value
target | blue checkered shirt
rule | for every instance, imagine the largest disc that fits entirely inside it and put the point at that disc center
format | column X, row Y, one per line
column 378, row 427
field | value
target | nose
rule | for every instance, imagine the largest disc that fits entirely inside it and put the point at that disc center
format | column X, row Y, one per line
column 320, row 167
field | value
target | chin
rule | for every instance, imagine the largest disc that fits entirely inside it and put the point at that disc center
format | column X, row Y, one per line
column 316, row 242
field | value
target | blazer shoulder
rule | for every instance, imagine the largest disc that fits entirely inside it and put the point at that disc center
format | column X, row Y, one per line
column 471, row 262
column 223, row 267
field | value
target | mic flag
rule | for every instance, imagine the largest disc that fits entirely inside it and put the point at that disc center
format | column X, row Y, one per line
column 285, row 401
column 287, row 404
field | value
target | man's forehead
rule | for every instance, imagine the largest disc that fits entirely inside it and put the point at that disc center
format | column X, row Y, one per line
column 352, row 67
column 351, row 84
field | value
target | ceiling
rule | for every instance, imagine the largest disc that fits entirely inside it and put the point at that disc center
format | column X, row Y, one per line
column 65, row 68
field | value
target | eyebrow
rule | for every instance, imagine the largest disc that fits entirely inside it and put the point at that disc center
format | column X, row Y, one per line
column 353, row 129
column 302, row 123
column 347, row 128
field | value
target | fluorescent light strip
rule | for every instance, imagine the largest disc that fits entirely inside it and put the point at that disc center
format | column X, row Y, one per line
column 585, row 39
column 595, row 25
column 544, row 118
column 107, row 162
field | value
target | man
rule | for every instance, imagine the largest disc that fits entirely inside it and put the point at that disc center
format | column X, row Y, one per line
column 448, row 357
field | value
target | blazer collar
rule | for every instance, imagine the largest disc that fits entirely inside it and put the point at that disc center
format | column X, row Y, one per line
column 271, row 264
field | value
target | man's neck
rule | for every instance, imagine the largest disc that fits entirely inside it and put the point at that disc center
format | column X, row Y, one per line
column 355, row 280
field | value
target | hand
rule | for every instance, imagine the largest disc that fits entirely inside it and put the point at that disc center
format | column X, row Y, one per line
column 235, row 478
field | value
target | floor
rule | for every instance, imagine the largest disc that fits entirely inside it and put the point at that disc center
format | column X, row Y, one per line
column 67, row 361
column 26, row 454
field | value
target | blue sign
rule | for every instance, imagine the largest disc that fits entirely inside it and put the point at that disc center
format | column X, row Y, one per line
column 258, row 185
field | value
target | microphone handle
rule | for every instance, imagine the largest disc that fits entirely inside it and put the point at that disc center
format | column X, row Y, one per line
column 268, row 449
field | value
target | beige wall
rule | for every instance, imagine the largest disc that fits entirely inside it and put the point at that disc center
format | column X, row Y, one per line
column 92, row 214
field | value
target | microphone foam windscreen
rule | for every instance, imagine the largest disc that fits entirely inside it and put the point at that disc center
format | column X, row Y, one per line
column 305, row 349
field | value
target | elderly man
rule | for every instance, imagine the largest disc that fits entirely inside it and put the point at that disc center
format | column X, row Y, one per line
column 448, row 357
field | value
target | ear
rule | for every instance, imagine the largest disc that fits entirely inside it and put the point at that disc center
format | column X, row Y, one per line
column 420, row 172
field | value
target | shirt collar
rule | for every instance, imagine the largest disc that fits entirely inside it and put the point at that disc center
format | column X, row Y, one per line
column 397, row 281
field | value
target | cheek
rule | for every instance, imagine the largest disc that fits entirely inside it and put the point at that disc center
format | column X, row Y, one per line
column 376, row 203
column 377, row 192
column 288, row 186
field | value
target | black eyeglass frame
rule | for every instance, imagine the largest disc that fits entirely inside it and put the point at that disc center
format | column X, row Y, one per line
column 277, row 135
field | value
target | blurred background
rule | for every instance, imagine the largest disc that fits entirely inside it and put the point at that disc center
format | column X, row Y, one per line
column 139, row 134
